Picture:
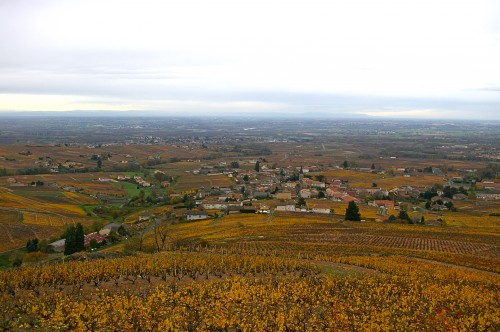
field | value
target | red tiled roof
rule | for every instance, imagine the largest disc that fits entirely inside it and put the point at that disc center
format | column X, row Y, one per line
column 98, row 237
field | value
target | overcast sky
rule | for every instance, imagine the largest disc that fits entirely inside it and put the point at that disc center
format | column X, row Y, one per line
column 421, row 58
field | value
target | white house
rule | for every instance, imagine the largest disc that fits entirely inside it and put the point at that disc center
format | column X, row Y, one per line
column 287, row 207
column 219, row 205
column 321, row 209
column 488, row 196
column 196, row 215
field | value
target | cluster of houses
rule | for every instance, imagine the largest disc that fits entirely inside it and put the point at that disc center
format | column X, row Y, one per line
column 137, row 179
column 140, row 181
column 274, row 184
column 491, row 190
column 55, row 167
column 99, row 238
column 280, row 185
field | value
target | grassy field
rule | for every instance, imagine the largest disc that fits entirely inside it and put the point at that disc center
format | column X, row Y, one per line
column 131, row 189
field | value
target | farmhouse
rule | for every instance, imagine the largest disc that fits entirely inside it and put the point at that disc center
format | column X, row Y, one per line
column 305, row 193
column 93, row 236
column 348, row 198
column 321, row 209
column 289, row 206
column 146, row 216
column 383, row 202
column 261, row 194
column 314, row 184
column 233, row 209
column 440, row 198
column 488, row 196
column 335, row 195
column 336, row 183
column 459, row 197
column 264, row 208
column 490, row 185
column 217, row 205
column 113, row 227
column 290, row 185
column 196, row 215
column 57, row 246
column 433, row 223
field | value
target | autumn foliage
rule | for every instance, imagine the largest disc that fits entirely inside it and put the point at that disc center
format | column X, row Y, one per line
column 203, row 291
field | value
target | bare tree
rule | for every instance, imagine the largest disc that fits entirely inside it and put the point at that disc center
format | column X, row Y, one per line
column 161, row 230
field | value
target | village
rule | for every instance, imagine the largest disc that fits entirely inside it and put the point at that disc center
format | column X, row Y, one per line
column 255, row 187
column 302, row 189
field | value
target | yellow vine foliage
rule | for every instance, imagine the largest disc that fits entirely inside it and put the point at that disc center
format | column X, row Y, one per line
column 204, row 291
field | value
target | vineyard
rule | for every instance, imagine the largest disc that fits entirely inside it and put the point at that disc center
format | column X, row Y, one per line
column 14, row 233
column 279, row 272
column 34, row 213
column 219, row 291
column 237, row 271
column 11, row 200
column 47, row 219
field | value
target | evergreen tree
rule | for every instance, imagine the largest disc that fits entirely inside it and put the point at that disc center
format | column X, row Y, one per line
column 122, row 231
column 301, row 202
column 257, row 166
column 345, row 164
column 190, row 203
column 352, row 212
column 404, row 216
column 79, row 238
column 32, row 245
column 74, row 239
column 69, row 245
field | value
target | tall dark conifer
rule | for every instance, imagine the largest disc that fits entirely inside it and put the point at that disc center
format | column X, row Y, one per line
column 75, row 237
column 69, row 245
column 352, row 212
column 79, row 238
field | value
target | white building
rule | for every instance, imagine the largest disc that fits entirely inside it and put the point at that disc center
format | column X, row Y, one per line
column 196, row 215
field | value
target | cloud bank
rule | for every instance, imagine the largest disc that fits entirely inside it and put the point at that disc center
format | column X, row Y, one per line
column 388, row 58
